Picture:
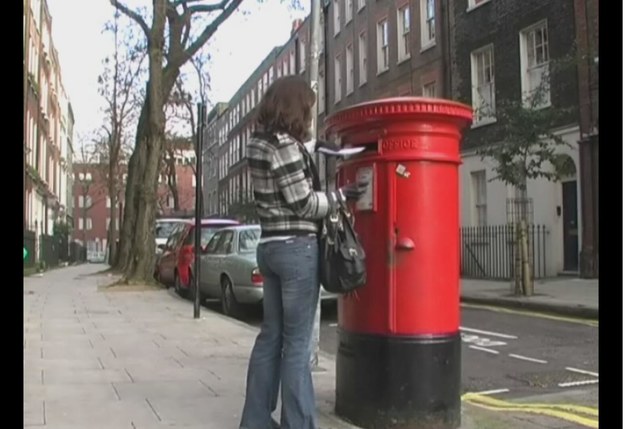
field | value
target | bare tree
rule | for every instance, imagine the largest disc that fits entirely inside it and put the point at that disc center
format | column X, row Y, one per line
column 171, row 42
column 118, row 85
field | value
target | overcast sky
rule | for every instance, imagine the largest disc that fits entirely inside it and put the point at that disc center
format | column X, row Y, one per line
column 237, row 49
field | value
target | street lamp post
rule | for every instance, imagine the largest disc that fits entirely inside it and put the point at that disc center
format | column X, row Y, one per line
column 201, row 114
column 315, row 9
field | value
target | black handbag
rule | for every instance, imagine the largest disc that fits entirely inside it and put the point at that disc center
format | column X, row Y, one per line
column 342, row 266
column 341, row 257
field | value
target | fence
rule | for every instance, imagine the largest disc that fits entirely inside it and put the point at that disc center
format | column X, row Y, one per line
column 52, row 250
column 488, row 252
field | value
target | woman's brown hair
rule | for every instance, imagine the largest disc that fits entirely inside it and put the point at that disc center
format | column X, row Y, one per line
column 286, row 107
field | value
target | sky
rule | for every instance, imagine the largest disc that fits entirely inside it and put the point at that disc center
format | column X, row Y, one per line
column 236, row 49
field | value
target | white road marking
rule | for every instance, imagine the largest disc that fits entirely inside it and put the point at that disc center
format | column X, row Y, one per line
column 579, row 383
column 581, row 371
column 492, row 334
column 333, row 325
column 529, row 359
column 492, row 392
column 482, row 342
column 495, row 352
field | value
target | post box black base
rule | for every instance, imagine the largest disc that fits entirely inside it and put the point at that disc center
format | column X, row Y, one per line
column 398, row 382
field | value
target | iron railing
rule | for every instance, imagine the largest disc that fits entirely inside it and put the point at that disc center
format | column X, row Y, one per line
column 488, row 252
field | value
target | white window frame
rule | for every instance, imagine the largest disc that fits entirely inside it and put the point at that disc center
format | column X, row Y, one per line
column 361, row 4
column 302, row 56
column 321, row 94
column 108, row 200
column 477, row 60
column 349, row 69
column 292, row 62
column 403, row 33
column 337, row 16
column 428, row 40
column 429, row 90
column 362, row 58
column 81, row 224
column 337, row 79
column 349, row 10
column 530, row 68
column 382, row 45
column 89, row 223
column 479, row 198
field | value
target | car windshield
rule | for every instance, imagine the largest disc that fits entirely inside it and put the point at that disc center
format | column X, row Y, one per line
column 248, row 240
column 164, row 229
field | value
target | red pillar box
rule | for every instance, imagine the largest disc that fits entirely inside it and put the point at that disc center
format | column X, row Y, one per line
column 398, row 361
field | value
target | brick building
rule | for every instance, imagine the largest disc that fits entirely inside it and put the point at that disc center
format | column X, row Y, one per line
column 92, row 208
column 48, row 127
column 384, row 49
column 501, row 50
column 182, row 158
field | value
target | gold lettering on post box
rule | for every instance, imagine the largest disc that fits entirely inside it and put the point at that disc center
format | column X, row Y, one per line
column 399, row 144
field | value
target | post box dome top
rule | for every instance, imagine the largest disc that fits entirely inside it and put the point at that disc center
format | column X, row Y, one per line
column 401, row 107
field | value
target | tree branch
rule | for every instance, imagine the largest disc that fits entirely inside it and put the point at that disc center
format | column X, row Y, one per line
column 132, row 15
column 228, row 6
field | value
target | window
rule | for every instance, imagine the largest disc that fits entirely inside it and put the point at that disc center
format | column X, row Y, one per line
column 81, row 201
column 429, row 90
column 361, row 4
column 362, row 58
column 349, row 65
column 349, row 7
column 193, row 181
column 248, row 240
column 478, row 193
column 89, row 224
column 337, row 79
column 337, row 17
column 382, row 46
column 108, row 202
column 285, row 68
column 81, row 224
column 483, row 84
column 428, row 24
column 403, row 33
column 302, row 56
column 170, row 202
column 108, row 223
column 88, row 177
column 535, row 82
column 225, row 244
column 292, row 62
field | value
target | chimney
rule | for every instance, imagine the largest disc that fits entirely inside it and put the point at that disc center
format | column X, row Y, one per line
column 296, row 25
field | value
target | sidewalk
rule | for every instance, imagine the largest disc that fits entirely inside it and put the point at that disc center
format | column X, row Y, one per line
column 138, row 360
column 566, row 296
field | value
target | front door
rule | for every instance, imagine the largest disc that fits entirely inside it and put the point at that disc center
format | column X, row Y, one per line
column 569, row 222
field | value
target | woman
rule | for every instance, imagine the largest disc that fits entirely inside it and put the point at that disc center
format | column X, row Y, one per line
column 290, row 205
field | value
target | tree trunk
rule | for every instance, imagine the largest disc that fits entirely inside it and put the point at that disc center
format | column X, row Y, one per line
column 528, row 283
column 130, row 208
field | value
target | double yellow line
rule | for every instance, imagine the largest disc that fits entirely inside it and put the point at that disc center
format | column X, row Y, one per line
column 585, row 416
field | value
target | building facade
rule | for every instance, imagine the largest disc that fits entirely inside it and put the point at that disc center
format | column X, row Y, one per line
column 503, row 51
column 92, row 208
column 385, row 48
column 587, row 32
column 48, row 126
column 211, row 159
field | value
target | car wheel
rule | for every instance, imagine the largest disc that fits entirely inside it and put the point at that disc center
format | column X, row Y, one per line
column 229, row 304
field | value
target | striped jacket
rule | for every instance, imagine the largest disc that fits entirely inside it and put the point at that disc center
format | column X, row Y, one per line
column 282, row 177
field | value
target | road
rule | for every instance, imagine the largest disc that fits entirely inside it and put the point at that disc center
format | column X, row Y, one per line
column 510, row 354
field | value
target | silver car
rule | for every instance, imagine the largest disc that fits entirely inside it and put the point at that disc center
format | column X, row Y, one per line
column 229, row 270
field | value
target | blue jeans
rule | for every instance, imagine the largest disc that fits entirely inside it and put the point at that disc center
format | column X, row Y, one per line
column 281, row 355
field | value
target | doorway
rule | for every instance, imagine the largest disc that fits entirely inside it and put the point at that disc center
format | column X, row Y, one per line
column 570, row 228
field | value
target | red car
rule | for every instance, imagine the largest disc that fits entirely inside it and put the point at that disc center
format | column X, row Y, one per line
column 175, row 263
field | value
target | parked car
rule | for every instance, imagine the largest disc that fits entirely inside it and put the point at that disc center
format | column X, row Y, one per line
column 163, row 229
column 174, row 264
column 229, row 270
